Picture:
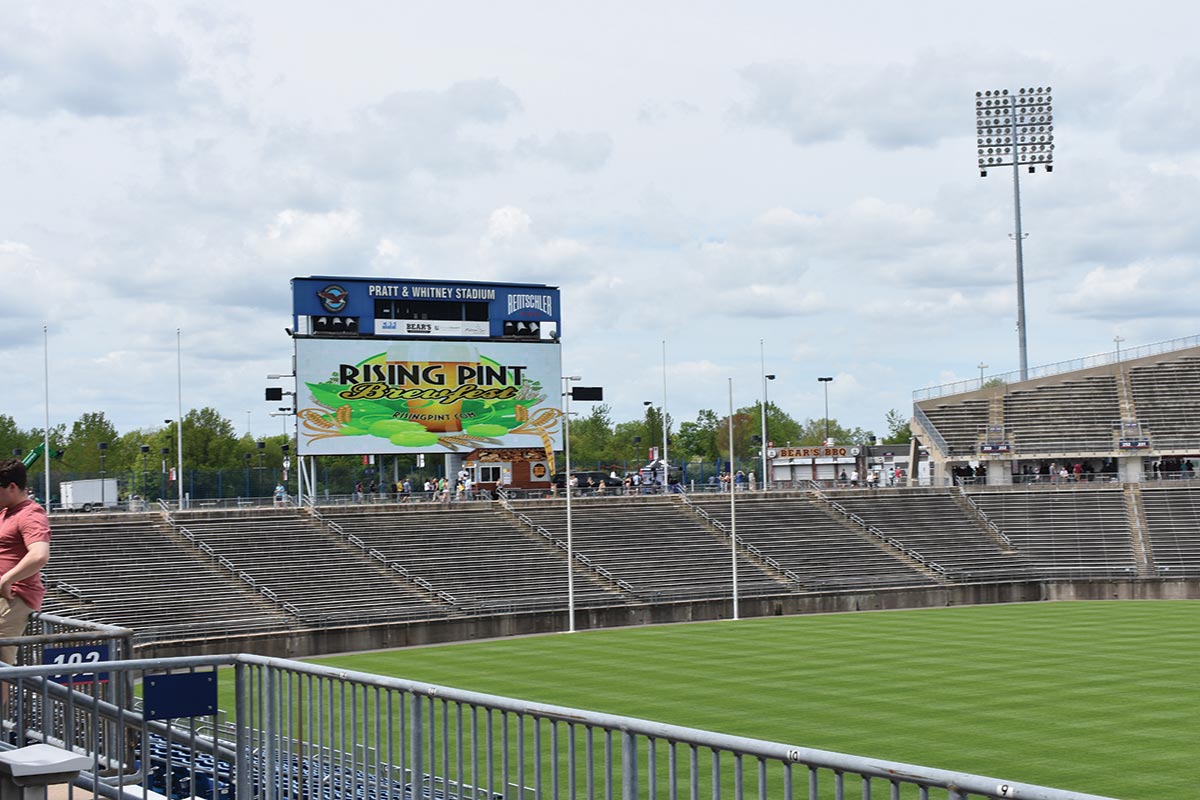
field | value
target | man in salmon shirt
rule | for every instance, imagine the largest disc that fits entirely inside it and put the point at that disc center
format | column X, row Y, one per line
column 24, row 550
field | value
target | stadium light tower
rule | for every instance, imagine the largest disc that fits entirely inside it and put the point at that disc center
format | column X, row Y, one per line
column 1015, row 130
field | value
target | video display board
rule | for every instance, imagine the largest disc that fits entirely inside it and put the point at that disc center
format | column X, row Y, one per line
column 373, row 396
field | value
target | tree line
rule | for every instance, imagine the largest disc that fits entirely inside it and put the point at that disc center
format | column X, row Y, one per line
column 210, row 441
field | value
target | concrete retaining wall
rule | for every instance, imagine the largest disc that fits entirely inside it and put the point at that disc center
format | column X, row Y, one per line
column 323, row 641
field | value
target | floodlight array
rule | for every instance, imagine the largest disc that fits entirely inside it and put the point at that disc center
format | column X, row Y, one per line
column 1014, row 128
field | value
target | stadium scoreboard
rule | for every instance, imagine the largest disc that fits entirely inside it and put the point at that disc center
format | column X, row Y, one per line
column 378, row 307
column 393, row 366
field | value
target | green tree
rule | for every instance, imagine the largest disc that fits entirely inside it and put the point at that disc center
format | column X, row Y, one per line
column 83, row 450
column 12, row 438
column 209, row 440
column 698, row 440
column 592, row 436
column 898, row 431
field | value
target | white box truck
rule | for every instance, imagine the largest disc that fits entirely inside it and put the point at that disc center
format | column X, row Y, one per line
column 88, row 495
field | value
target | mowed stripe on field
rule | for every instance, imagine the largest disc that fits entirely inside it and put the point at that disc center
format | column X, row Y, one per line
column 1099, row 697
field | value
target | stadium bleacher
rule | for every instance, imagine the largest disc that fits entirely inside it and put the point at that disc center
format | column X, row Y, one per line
column 823, row 553
column 129, row 570
column 655, row 546
column 1067, row 532
column 482, row 559
column 1173, row 527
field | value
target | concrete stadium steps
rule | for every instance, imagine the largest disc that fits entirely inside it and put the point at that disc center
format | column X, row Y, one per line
column 485, row 560
column 653, row 545
column 932, row 523
column 804, row 540
column 1071, row 416
column 959, row 423
column 1173, row 526
column 1066, row 533
column 1166, row 396
column 317, row 573
column 134, row 573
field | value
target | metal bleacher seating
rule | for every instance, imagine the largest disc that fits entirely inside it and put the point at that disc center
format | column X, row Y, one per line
column 319, row 574
column 823, row 553
column 1167, row 398
column 1173, row 528
column 932, row 523
column 484, row 560
column 960, row 423
column 653, row 545
column 1066, row 532
column 129, row 570
column 1071, row 416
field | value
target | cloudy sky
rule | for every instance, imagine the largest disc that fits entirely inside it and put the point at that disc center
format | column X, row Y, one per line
column 706, row 174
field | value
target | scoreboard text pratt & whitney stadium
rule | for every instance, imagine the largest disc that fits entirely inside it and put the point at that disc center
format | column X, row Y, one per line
column 393, row 366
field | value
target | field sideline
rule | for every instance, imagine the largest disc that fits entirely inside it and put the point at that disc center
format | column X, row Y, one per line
column 1100, row 697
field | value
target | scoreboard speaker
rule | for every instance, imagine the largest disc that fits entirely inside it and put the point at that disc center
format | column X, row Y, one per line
column 522, row 329
column 331, row 324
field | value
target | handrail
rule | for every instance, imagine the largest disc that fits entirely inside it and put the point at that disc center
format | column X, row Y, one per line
column 931, row 430
column 890, row 541
column 1058, row 368
column 984, row 518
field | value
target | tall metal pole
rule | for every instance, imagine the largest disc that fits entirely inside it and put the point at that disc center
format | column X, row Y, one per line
column 732, row 506
column 665, row 458
column 762, row 357
column 566, row 381
column 179, row 420
column 46, row 432
column 826, row 382
column 1018, row 238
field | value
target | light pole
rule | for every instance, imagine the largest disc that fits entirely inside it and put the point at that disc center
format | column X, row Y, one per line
column 1015, row 130
column 649, row 404
column 103, row 448
column 162, row 488
column 567, row 485
column 766, row 482
column 826, row 381
column 145, row 488
column 1117, row 341
column 982, row 366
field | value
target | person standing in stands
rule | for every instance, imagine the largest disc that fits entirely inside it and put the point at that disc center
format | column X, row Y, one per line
column 24, row 550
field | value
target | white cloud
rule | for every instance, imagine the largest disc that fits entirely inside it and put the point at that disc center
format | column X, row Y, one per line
column 300, row 237
column 510, row 248
column 1164, row 288
column 74, row 59
column 580, row 152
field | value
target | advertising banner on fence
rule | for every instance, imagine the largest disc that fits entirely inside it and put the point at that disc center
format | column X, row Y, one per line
column 360, row 396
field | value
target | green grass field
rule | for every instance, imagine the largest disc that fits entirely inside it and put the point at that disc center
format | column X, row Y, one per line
column 1100, row 697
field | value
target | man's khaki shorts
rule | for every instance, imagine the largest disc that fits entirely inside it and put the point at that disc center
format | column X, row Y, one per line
column 13, row 616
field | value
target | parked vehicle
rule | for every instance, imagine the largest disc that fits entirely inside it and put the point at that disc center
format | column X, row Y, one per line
column 596, row 476
column 89, row 495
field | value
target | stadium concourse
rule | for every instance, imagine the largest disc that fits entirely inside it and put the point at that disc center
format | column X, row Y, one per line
column 1118, row 516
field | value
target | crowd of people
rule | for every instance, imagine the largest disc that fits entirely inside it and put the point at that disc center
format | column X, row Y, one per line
column 434, row 490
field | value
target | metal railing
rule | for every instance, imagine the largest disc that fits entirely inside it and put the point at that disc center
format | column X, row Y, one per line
column 1057, row 368
column 312, row 732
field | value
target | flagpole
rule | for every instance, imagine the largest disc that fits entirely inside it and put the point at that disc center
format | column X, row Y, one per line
column 732, row 506
column 46, row 432
column 179, row 426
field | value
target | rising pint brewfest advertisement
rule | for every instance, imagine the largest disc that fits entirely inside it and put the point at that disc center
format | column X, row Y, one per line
column 375, row 397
